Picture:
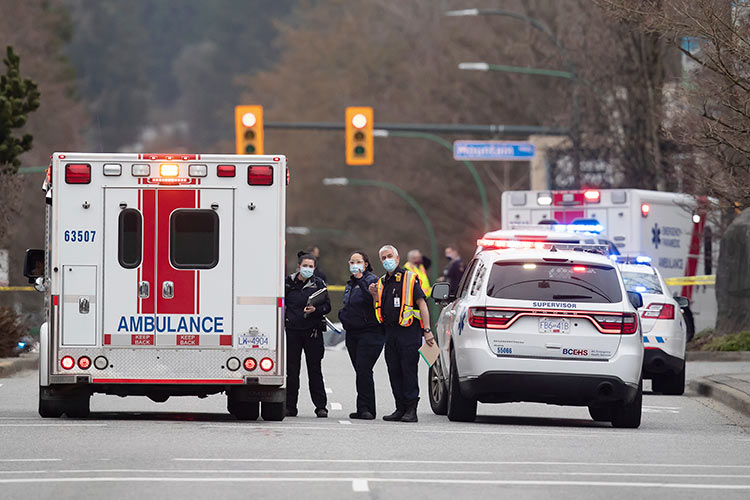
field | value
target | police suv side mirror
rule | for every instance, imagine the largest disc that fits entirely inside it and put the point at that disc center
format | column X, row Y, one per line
column 683, row 302
column 636, row 299
column 441, row 292
column 33, row 264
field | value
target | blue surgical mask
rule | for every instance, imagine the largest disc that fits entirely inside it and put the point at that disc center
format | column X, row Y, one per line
column 356, row 268
column 390, row 265
column 306, row 272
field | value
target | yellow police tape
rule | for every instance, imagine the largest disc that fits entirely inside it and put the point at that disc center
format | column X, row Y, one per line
column 709, row 279
column 336, row 288
column 17, row 289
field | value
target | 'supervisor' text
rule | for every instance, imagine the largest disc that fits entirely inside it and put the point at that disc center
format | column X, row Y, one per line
column 171, row 324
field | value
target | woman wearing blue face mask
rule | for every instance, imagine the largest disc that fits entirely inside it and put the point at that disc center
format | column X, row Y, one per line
column 364, row 335
column 304, row 333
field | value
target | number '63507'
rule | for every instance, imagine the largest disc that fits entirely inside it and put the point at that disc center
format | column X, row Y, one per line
column 80, row 236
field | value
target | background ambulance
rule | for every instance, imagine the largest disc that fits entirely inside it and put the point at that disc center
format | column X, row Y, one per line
column 677, row 231
column 163, row 277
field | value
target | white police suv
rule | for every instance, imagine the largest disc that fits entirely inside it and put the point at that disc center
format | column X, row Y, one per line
column 663, row 326
column 544, row 325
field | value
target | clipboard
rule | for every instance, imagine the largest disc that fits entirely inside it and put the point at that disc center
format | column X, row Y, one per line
column 429, row 353
column 317, row 299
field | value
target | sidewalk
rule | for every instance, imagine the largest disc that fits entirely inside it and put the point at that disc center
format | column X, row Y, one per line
column 9, row 366
column 732, row 390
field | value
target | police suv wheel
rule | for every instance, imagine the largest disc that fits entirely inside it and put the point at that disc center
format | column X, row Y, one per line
column 460, row 409
column 437, row 390
column 601, row 413
column 671, row 384
column 272, row 412
column 628, row 415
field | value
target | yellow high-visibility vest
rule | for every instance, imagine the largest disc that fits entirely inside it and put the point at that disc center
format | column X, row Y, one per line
column 421, row 272
column 408, row 312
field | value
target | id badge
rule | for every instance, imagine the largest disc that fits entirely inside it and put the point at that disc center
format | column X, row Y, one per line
column 396, row 302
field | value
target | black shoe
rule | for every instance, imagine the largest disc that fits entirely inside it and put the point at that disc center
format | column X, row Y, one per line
column 290, row 412
column 410, row 415
column 321, row 413
column 365, row 415
column 395, row 416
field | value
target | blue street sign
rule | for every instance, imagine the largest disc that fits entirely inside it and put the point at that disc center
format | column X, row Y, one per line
column 493, row 150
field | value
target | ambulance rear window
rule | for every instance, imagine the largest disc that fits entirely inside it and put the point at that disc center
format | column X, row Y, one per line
column 194, row 239
column 130, row 231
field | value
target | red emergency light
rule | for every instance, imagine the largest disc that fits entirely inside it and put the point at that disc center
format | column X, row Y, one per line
column 645, row 209
column 489, row 244
column 77, row 173
column 260, row 175
column 592, row 195
column 225, row 171
column 579, row 269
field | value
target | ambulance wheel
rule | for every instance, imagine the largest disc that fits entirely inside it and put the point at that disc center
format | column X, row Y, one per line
column 272, row 412
column 671, row 384
column 460, row 408
column 437, row 390
column 49, row 407
column 628, row 415
column 244, row 410
column 601, row 413
column 78, row 406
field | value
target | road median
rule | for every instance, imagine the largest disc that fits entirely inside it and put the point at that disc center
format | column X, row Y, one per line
column 9, row 366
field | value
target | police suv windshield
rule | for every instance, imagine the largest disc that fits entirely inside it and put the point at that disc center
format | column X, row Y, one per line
column 641, row 282
column 554, row 281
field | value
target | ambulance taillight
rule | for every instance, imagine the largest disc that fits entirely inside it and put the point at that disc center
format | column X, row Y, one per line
column 84, row 362
column 592, row 195
column 77, row 173
column 266, row 364
column 260, row 175
column 68, row 362
column 250, row 364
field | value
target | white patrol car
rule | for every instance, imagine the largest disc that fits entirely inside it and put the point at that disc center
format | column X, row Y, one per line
column 664, row 329
column 545, row 325
column 163, row 276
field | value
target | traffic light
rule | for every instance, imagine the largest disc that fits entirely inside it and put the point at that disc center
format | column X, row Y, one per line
column 248, row 126
column 359, row 144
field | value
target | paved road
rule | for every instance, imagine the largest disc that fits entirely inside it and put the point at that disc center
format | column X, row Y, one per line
column 189, row 448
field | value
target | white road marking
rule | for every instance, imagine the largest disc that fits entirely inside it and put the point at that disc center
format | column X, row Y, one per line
column 663, row 407
column 456, row 462
column 473, row 482
column 345, row 422
column 360, row 485
column 30, row 459
column 634, row 474
column 250, row 471
column 329, row 390
column 53, row 425
column 336, row 406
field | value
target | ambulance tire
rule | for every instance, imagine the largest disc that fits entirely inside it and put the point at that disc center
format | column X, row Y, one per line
column 78, row 406
column 244, row 410
column 670, row 384
column 272, row 412
column 437, row 390
column 460, row 408
column 628, row 415
column 50, row 407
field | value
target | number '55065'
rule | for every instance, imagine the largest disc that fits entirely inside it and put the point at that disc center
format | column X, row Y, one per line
column 80, row 236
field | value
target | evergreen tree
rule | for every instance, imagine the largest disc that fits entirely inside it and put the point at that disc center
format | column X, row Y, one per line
column 18, row 97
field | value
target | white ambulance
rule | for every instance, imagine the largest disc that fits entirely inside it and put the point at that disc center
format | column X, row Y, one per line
column 163, row 277
column 677, row 231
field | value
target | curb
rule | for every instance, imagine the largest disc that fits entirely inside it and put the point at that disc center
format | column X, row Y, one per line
column 9, row 366
column 717, row 356
column 737, row 400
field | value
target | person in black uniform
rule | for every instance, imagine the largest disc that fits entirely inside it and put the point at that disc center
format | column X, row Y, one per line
column 304, row 332
column 364, row 334
column 401, row 308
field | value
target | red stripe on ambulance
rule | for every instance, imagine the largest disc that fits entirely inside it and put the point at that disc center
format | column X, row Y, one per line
column 149, row 245
column 183, row 302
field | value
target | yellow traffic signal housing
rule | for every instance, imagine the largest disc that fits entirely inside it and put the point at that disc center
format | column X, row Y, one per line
column 359, row 143
column 248, row 126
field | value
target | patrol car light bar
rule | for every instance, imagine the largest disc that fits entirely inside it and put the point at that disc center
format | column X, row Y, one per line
column 492, row 244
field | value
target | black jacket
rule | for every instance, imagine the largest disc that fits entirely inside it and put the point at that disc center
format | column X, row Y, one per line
column 295, row 300
column 358, row 312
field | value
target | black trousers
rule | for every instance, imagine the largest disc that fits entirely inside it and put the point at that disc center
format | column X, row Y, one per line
column 296, row 342
column 364, row 348
column 402, row 357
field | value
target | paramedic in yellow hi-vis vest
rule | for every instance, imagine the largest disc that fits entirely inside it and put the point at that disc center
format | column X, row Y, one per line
column 415, row 264
column 401, row 308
